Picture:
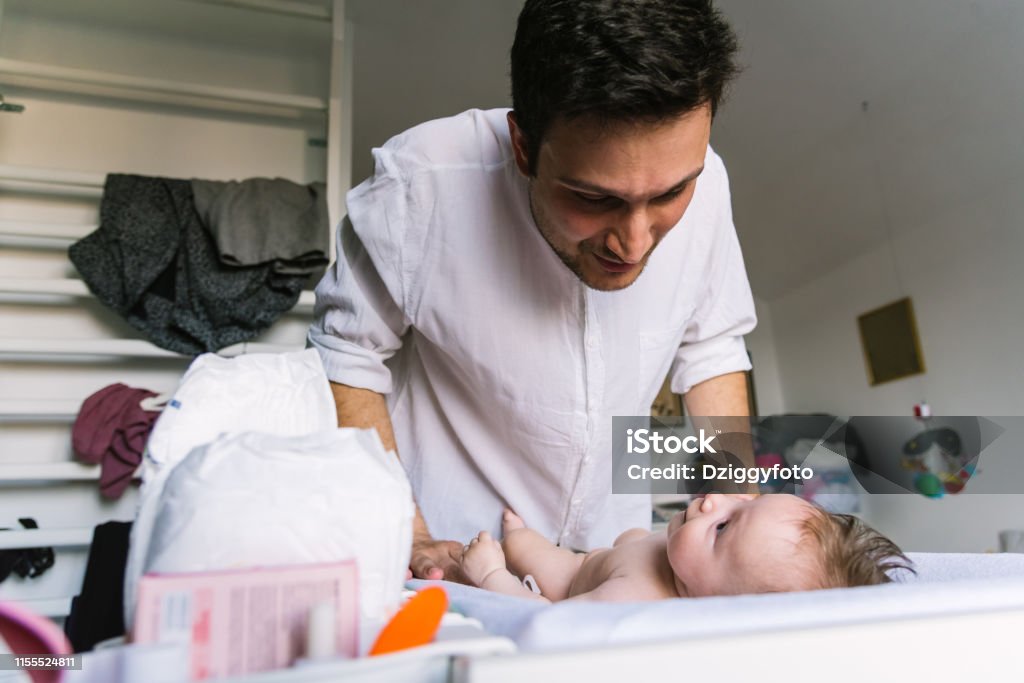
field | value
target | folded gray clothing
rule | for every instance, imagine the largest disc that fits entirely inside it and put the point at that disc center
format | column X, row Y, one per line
column 263, row 220
column 152, row 261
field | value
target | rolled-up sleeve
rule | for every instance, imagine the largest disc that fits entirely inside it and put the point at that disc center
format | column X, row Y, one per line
column 713, row 342
column 359, row 317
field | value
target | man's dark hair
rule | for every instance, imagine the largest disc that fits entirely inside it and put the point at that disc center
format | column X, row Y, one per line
column 617, row 60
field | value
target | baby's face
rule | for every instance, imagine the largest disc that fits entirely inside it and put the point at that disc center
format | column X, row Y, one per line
column 731, row 544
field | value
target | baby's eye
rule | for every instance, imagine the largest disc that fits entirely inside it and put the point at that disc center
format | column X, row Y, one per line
column 721, row 526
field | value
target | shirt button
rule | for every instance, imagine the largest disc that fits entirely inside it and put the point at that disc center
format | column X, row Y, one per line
column 587, row 459
column 576, row 502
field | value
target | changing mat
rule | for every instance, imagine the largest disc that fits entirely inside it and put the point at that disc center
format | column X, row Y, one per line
column 946, row 583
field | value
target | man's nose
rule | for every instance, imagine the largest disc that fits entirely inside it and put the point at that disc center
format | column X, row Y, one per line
column 634, row 236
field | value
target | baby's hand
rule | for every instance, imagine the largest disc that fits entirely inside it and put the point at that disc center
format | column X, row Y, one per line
column 481, row 558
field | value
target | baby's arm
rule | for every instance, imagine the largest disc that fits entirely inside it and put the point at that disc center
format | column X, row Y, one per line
column 483, row 562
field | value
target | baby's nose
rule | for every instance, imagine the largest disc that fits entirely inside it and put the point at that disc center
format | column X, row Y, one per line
column 710, row 501
column 696, row 508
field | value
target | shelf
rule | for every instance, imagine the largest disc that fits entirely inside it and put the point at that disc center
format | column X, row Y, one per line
column 51, row 471
column 62, row 289
column 34, row 235
column 15, row 241
column 53, row 182
column 156, row 90
column 48, row 607
column 66, row 231
column 42, row 538
column 45, row 287
column 72, row 350
column 38, row 410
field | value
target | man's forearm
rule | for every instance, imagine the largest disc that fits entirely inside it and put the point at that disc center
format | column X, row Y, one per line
column 725, row 397
column 364, row 409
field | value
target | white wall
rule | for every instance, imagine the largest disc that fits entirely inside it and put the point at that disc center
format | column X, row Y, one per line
column 761, row 346
column 417, row 61
column 962, row 269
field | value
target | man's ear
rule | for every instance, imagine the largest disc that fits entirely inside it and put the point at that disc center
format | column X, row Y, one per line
column 518, row 145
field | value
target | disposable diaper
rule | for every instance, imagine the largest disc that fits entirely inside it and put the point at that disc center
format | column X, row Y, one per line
column 275, row 394
column 255, row 499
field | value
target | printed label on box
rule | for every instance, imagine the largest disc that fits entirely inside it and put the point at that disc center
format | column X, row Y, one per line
column 243, row 621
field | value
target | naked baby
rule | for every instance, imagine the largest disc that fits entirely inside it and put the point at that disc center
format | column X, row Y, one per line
column 720, row 545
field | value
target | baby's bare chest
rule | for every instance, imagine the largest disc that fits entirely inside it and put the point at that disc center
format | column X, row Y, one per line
column 638, row 563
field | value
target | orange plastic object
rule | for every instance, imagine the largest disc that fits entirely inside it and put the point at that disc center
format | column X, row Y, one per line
column 414, row 624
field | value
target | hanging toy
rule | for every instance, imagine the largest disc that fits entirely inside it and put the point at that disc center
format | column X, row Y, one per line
column 928, row 484
column 936, row 456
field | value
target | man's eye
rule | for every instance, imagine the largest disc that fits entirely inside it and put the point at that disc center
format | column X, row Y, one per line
column 593, row 198
column 721, row 526
column 669, row 196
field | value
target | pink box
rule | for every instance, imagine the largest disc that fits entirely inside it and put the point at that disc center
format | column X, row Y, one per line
column 246, row 620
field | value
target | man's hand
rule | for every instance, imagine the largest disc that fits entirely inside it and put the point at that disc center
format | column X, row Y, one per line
column 433, row 559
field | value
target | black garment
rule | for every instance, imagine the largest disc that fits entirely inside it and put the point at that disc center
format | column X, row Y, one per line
column 25, row 562
column 97, row 613
column 152, row 261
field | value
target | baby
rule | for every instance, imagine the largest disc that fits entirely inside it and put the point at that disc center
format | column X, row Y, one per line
column 720, row 545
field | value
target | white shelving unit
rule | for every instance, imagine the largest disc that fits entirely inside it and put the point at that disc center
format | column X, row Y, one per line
column 56, row 345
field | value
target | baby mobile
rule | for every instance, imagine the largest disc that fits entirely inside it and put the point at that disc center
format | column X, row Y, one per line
column 937, row 459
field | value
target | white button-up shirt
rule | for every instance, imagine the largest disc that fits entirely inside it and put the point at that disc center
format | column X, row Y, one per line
column 502, row 370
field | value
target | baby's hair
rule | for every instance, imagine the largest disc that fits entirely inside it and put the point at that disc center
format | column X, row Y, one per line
column 850, row 553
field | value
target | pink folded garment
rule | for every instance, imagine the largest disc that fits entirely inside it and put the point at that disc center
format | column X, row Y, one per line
column 111, row 430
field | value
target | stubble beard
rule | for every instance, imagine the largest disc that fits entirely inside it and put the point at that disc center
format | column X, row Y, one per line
column 572, row 262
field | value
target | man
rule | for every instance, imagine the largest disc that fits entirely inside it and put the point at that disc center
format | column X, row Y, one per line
column 508, row 281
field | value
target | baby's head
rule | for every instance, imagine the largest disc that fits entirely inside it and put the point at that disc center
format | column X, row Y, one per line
column 732, row 544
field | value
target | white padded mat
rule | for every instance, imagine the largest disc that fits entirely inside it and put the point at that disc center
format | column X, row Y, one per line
column 946, row 583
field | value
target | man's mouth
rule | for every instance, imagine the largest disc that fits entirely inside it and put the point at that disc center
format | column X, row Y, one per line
column 615, row 266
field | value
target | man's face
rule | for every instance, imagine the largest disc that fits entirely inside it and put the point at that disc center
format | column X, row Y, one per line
column 605, row 194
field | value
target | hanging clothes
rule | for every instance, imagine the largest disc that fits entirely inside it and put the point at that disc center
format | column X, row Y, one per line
column 97, row 613
column 264, row 220
column 111, row 430
column 153, row 261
